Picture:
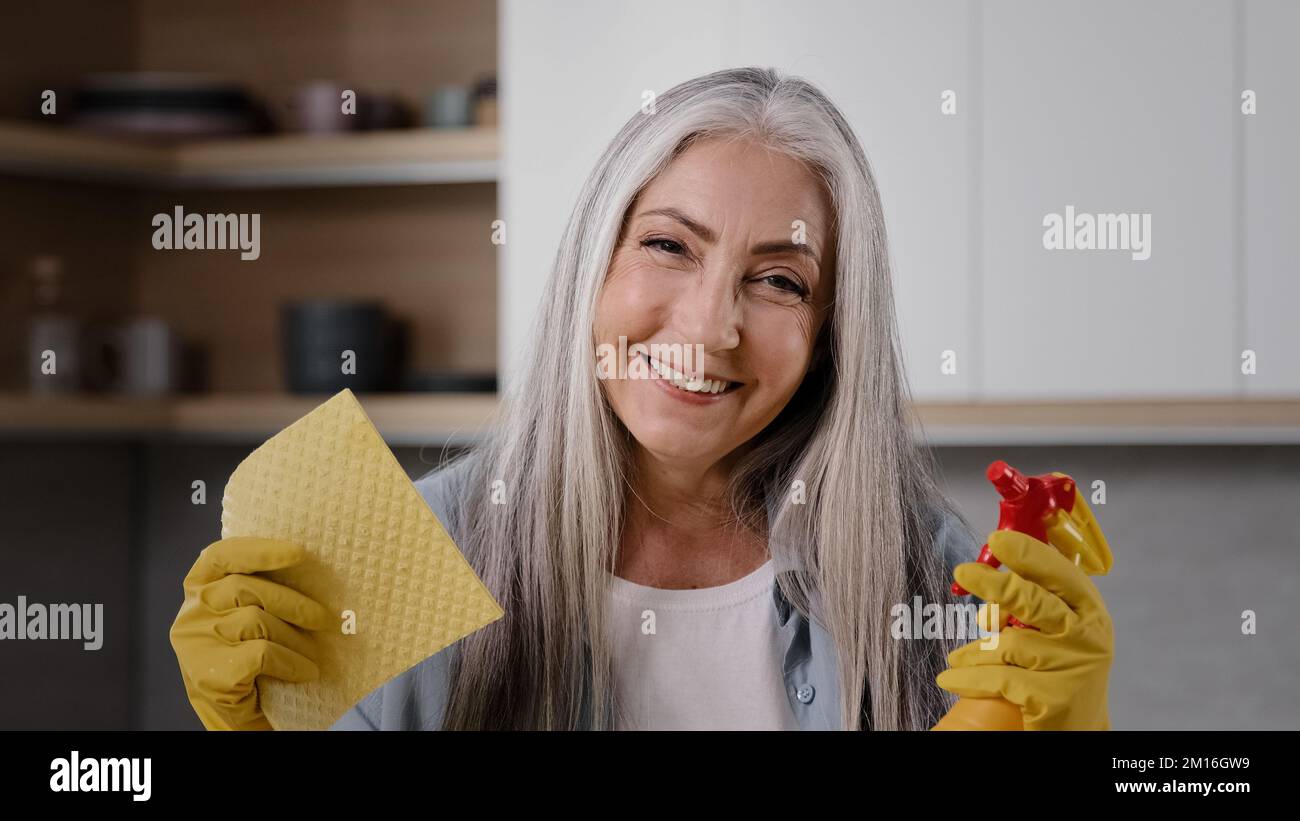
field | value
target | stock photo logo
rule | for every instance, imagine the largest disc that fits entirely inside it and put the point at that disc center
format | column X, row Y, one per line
column 208, row 232
column 681, row 364
column 1098, row 232
column 133, row 776
column 74, row 622
column 952, row 621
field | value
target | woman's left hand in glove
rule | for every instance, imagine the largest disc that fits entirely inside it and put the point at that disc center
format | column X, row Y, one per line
column 1057, row 674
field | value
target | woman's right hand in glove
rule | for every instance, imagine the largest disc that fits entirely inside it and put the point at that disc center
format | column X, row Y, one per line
column 235, row 626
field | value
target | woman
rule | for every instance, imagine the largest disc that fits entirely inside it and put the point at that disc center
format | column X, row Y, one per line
column 721, row 547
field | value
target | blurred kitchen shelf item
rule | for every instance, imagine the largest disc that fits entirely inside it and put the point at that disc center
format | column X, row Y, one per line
column 1136, row 422
column 418, row 419
column 404, row 419
column 357, row 158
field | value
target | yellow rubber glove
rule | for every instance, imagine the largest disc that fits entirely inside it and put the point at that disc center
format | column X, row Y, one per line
column 234, row 626
column 1056, row 674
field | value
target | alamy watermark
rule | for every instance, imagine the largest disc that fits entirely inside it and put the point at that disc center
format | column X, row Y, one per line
column 28, row 621
column 675, row 361
column 206, row 232
column 77, row 774
column 950, row 620
column 1098, row 232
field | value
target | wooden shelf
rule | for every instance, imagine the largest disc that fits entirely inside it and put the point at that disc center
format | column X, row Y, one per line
column 400, row 157
column 1152, row 422
column 434, row 419
column 408, row 419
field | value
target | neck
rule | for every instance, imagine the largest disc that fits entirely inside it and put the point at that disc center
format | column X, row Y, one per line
column 680, row 530
column 682, row 496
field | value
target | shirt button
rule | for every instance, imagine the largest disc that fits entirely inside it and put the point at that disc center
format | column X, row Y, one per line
column 805, row 693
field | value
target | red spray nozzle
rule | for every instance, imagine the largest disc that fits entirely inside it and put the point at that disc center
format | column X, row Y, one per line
column 1010, row 483
column 1028, row 502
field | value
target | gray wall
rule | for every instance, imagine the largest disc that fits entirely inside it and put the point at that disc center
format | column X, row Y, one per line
column 1199, row 535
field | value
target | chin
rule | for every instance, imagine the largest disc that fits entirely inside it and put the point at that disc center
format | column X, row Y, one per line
column 670, row 442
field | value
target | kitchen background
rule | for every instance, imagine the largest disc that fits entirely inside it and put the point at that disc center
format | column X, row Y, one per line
column 379, row 230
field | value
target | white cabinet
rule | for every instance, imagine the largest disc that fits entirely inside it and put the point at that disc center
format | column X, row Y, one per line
column 1113, row 108
column 1272, row 195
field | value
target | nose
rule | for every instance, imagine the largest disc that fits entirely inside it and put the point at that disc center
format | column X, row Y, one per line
column 708, row 311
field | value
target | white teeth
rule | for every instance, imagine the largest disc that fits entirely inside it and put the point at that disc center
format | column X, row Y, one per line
column 680, row 380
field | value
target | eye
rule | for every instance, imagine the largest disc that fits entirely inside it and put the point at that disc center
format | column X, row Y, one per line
column 785, row 283
column 668, row 246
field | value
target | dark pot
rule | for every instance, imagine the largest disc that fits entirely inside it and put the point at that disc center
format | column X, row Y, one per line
column 316, row 333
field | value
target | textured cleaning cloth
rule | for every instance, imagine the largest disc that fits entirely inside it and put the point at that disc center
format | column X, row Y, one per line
column 329, row 483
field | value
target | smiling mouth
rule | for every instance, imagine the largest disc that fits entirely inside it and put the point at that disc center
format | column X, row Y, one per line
column 682, row 382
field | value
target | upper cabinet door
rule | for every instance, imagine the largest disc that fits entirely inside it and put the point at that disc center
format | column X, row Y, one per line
column 900, row 72
column 1120, row 114
column 1272, row 193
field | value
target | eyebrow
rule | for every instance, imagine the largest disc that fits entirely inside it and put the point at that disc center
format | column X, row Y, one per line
column 707, row 234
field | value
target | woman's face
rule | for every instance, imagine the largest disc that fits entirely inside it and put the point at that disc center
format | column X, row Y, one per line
column 728, row 249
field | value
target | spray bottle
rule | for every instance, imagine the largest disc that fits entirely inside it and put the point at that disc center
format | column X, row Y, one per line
column 1051, row 509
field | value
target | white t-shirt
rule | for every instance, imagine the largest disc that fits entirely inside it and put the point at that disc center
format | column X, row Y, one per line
column 713, row 661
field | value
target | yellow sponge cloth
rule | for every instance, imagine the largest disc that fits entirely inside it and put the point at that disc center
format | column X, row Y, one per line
column 329, row 483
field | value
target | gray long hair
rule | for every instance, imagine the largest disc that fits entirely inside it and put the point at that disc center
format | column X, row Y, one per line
column 859, row 545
